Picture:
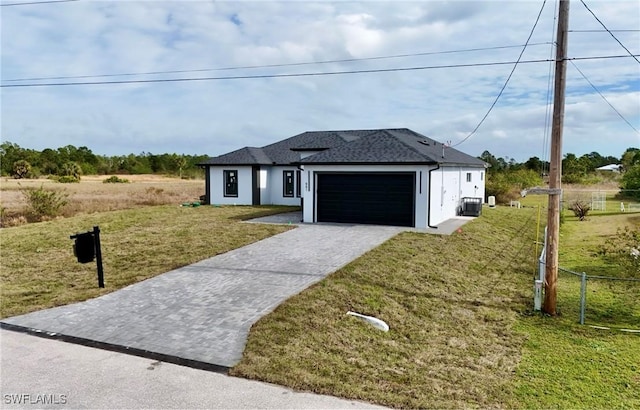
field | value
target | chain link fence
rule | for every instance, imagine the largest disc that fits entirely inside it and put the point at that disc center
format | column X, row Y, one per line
column 601, row 301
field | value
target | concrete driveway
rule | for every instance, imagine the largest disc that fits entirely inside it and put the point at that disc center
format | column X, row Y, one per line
column 200, row 315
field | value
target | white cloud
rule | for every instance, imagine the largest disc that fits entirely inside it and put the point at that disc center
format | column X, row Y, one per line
column 213, row 117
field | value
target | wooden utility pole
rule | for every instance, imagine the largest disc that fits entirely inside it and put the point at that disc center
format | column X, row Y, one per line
column 555, row 168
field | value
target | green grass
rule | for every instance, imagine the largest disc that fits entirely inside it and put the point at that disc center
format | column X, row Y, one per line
column 451, row 303
column 462, row 331
column 609, row 303
column 39, row 270
column 568, row 366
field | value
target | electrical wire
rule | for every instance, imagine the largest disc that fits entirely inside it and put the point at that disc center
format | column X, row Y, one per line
column 508, row 78
column 609, row 31
column 245, row 77
column 602, row 31
column 346, row 60
column 603, row 97
column 548, row 106
column 312, row 74
column 36, row 2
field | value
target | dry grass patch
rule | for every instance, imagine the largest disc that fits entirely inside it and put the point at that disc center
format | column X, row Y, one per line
column 91, row 195
column 39, row 270
column 451, row 303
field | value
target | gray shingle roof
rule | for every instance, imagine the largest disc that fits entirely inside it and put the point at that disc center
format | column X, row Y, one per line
column 243, row 156
column 378, row 146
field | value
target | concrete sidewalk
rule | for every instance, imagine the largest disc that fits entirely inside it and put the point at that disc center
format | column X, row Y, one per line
column 200, row 315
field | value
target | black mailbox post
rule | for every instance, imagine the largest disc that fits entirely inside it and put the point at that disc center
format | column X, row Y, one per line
column 87, row 248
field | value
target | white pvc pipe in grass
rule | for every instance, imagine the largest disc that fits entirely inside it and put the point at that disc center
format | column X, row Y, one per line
column 373, row 321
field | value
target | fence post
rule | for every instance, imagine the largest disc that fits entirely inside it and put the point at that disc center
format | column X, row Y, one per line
column 583, row 296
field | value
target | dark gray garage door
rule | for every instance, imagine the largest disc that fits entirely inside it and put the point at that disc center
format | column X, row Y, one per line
column 366, row 198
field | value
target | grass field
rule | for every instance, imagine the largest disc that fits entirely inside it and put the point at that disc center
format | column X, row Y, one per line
column 91, row 195
column 463, row 334
column 609, row 303
column 566, row 365
column 451, row 302
column 38, row 269
column 462, row 331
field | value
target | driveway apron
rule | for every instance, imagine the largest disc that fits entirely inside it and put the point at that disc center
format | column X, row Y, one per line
column 202, row 313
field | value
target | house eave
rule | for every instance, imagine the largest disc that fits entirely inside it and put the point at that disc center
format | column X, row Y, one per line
column 366, row 163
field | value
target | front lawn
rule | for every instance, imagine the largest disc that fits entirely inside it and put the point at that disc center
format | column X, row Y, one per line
column 39, row 270
column 462, row 334
column 451, row 302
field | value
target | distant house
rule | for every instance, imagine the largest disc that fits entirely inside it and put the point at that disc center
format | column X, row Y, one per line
column 610, row 167
column 382, row 176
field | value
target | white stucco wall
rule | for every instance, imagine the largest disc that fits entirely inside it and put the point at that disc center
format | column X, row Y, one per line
column 216, row 194
column 309, row 189
column 275, row 186
column 448, row 186
column 270, row 182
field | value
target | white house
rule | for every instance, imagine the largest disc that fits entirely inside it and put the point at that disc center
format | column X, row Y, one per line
column 384, row 176
column 610, row 167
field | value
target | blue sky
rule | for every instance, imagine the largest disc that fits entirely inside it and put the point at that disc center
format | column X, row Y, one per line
column 88, row 38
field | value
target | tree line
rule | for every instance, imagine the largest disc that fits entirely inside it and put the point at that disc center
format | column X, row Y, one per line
column 506, row 177
column 71, row 161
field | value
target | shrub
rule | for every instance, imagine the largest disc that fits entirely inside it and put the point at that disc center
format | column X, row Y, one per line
column 68, row 179
column 71, row 169
column 572, row 179
column 630, row 184
column 43, row 203
column 21, row 169
column 623, row 250
column 506, row 186
column 115, row 180
column 580, row 209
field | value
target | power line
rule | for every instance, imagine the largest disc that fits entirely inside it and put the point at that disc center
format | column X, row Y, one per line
column 246, row 77
column 312, row 74
column 547, row 115
column 602, row 31
column 36, row 2
column 609, row 31
column 603, row 97
column 346, row 60
column 508, row 78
